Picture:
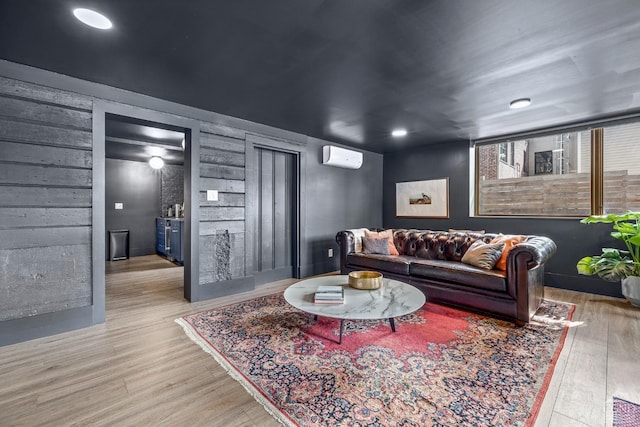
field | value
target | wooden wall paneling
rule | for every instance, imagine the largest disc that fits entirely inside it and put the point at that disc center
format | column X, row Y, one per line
column 222, row 157
column 22, row 238
column 222, row 130
column 224, row 199
column 221, row 171
column 44, row 217
column 21, row 174
column 41, row 280
column 222, row 185
column 45, row 113
column 214, row 227
column 45, row 181
column 217, row 142
column 37, row 133
column 17, row 196
column 18, row 88
column 218, row 213
column 45, row 155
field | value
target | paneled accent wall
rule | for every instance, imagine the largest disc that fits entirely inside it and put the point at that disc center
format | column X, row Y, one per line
column 222, row 222
column 45, row 200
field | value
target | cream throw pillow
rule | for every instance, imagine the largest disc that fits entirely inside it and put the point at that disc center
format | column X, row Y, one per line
column 358, row 234
column 483, row 255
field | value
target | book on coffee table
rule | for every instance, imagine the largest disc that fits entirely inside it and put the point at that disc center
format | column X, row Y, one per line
column 328, row 294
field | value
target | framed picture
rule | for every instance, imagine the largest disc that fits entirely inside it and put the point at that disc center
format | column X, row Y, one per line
column 423, row 199
column 543, row 162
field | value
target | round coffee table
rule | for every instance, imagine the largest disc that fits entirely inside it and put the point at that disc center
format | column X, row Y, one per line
column 393, row 299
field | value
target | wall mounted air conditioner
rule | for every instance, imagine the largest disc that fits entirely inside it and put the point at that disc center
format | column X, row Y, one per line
column 341, row 157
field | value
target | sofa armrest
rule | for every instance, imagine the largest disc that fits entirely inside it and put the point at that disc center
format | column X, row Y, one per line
column 347, row 244
column 538, row 248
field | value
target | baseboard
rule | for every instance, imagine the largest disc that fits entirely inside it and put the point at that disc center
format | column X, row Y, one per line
column 592, row 285
column 319, row 268
column 224, row 288
column 42, row 325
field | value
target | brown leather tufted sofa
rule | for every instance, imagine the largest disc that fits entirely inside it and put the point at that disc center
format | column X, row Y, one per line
column 431, row 261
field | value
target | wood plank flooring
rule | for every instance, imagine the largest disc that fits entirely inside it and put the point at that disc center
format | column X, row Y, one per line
column 139, row 368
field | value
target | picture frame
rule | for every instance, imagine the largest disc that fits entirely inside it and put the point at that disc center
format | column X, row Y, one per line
column 423, row 199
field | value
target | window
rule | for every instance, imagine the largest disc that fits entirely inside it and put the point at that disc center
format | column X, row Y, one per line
column 543, row 176
column 621, row 152
column 554, row 175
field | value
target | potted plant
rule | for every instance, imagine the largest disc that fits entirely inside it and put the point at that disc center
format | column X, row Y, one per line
column 617, row 264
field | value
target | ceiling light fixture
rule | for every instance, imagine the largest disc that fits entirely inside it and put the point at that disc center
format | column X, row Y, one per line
column 520, row 103
column 156, row 162
column 92, row 18
column 398, row 133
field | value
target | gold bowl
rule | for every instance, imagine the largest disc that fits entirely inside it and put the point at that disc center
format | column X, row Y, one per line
column 367, row 280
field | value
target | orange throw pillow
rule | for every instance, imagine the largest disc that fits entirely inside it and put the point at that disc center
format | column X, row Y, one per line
column 386, row 233
column 509, row 241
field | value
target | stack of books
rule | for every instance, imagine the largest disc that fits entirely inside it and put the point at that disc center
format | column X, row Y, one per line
column 328, row 294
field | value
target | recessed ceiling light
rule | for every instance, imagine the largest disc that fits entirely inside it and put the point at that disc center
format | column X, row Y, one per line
column 92, row 18
column 156, row 162
column 520, row 103
column 398, row 133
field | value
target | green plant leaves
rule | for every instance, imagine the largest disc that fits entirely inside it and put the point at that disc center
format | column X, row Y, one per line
column 584, row 266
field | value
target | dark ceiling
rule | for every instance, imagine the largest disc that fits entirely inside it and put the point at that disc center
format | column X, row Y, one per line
column 349, row 71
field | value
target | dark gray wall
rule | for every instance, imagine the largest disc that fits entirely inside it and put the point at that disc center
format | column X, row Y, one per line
column 137, row 186
column 451, row 160
column 337, row 199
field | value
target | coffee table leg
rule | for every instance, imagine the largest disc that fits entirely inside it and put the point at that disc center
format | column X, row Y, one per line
column 393, row 324
column 341, row 326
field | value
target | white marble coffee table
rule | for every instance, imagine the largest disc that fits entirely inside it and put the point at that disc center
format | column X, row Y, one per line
column 393, row 299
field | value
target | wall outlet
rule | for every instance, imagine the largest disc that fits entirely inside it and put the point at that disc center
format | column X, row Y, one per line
column 212, row 195
column 330, row 253
column 119, row 205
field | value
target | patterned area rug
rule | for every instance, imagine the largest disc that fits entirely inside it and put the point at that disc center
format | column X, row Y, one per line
column 443, row 366
column 625, row 413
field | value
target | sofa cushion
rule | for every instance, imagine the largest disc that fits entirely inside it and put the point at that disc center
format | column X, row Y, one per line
column 459, row 273
column 483, row 255
column 388, row 234
column 375, row 245
column 392, row 264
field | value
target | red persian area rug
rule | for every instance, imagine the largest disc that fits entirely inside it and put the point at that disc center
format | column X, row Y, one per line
column 625, row 413
column 443, row 366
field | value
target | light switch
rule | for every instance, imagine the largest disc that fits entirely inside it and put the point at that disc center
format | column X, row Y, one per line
column 212, row 195
column 119, row 205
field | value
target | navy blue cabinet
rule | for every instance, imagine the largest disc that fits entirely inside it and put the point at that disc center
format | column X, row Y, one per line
column 163, row 236
column 170, row 238
column 176, row 252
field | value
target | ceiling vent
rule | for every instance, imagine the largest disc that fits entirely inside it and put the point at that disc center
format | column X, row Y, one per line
column 341, row 157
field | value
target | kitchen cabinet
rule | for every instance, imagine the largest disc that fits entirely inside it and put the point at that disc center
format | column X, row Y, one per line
column 170, row 238
column 176, row 252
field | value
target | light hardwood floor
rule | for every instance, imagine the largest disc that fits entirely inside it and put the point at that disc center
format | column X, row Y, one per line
column 140, row 369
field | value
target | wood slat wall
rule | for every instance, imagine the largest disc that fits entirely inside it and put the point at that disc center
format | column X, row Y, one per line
column 45, row 193
column 222, row 222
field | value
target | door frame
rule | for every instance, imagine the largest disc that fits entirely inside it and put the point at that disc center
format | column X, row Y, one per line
column 191, row 191
column 279, row 145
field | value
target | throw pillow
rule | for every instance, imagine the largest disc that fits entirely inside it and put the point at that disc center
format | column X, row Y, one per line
column 388, row 234
column 373, row 245
column 483, row 255
column 358, row 234
column 509, row 241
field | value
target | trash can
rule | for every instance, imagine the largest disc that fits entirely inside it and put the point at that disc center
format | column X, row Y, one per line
column 118, row 244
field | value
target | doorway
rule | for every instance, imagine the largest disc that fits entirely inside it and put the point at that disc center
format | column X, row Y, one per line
column 102, row 111
column 144, row 195
column 275, row 254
